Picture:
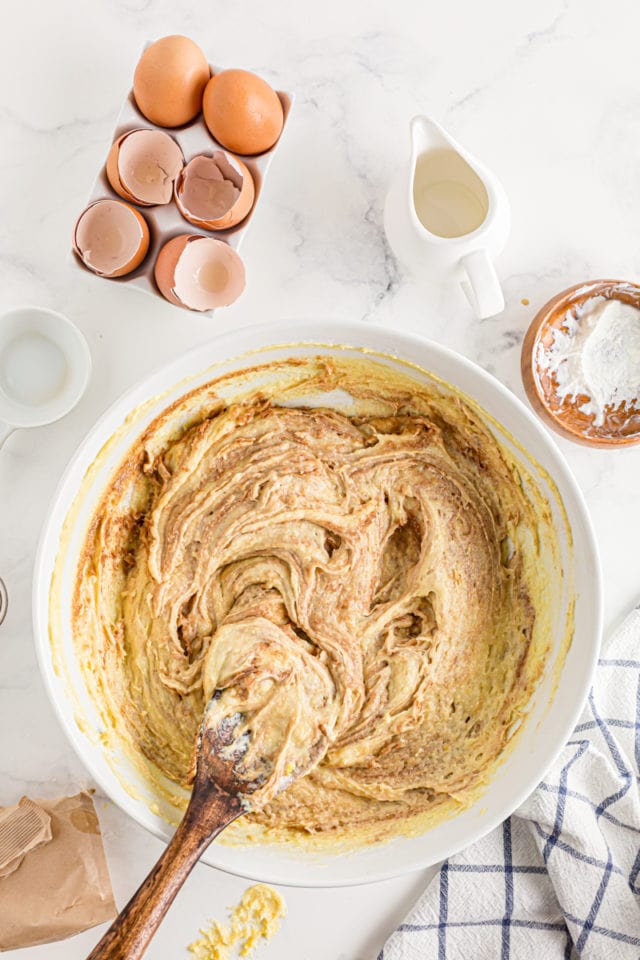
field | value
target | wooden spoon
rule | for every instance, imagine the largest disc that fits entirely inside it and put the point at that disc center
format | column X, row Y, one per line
column 218, row 799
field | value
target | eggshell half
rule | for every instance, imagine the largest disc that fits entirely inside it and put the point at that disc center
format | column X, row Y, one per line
column 143, row 165
column 111, row 238
column 200, row 273
column 215, row 192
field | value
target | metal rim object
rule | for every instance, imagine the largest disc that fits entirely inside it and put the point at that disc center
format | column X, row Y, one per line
column 4, row 600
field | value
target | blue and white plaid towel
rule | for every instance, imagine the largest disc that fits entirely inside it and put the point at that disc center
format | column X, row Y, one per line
column 560, row 879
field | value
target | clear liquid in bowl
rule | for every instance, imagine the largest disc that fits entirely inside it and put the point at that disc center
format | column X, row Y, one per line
column 33, row 369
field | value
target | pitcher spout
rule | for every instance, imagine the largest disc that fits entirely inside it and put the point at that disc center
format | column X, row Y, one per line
column 427, row 135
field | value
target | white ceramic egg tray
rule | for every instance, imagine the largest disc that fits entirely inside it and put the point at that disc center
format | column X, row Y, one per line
column 165, row 221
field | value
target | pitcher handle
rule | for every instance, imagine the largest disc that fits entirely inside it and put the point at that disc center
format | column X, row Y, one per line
column 5, row 431
column 482, row 286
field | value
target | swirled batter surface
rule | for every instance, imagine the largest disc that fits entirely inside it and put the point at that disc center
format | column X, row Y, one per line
column 361, row 588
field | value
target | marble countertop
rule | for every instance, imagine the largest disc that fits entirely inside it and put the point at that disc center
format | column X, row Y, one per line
column 546, row 94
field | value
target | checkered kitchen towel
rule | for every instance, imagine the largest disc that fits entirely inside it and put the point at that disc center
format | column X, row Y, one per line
column 560, row 879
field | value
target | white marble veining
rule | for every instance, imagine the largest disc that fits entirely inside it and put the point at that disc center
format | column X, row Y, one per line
column 545, row 93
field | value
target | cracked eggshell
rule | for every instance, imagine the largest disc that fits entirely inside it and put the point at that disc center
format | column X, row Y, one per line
column 215, row 192
column 111, row 238
column 169, row 81
column 142, row 166
column 199, row 273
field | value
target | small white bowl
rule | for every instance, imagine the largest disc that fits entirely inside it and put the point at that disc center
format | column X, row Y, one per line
column 45, row 365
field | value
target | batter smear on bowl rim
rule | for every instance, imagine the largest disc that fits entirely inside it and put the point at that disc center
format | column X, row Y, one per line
column 366, row 578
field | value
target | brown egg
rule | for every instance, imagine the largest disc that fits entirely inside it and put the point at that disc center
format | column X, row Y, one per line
column 215, row 192
column 169, row 81
column 143, row 165
column 242, row 111
column 199, row 273
column 111, row 238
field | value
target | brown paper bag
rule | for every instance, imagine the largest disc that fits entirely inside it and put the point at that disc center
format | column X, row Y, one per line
column 22, row 828
column 56, row 882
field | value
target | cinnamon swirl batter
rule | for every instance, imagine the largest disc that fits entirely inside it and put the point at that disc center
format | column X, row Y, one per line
column 359, row 591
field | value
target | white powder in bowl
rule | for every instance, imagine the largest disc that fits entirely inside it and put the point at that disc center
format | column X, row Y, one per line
column 596, row 354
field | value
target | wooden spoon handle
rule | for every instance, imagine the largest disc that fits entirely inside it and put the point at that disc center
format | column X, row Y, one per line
column 128, row 936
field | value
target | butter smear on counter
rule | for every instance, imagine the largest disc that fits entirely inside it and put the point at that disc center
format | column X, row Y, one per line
column 256, row 917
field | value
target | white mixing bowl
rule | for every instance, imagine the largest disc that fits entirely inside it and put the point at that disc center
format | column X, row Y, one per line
column 555, row 706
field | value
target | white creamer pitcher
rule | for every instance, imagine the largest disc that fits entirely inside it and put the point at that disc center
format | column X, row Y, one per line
column 446, row 216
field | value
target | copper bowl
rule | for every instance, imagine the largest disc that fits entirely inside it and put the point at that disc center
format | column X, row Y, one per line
column 621, row 426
